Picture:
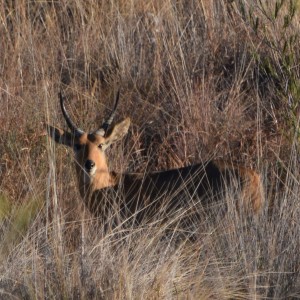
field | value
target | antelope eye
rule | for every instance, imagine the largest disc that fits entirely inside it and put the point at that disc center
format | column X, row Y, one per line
column 100, row 146
column 77, row 147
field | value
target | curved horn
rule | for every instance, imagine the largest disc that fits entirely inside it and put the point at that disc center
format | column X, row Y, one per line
column 72, row 126
column 103, row 129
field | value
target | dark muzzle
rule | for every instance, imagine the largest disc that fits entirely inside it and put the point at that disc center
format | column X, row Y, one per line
column 89, row 165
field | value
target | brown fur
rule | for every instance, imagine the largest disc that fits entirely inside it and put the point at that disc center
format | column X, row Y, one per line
column 141, row 192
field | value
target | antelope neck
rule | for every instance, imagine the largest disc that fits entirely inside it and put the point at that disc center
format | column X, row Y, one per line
column 100, row 180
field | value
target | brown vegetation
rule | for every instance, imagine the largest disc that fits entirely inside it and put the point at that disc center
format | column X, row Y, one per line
column 199, row 79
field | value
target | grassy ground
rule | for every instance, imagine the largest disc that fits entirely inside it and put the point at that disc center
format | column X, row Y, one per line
column 200, row 79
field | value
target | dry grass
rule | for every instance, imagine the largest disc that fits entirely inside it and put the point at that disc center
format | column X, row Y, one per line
column 199, row 79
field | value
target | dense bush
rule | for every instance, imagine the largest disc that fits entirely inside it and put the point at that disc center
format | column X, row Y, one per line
column 200, row 80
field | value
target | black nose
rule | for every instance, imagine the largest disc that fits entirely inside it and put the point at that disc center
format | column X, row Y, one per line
column 89, row 165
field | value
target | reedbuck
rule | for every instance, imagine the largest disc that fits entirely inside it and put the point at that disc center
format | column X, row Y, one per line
column 142, row 195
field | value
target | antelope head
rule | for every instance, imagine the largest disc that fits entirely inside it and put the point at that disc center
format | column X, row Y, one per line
column 89, row 148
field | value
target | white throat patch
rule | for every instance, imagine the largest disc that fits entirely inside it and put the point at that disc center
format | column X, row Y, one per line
column 89, row 176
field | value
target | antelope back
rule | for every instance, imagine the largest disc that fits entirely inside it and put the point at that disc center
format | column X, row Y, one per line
column 194, row 189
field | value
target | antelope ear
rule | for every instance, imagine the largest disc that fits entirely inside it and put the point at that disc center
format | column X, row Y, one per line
column 60, row 136
column 117, row 132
